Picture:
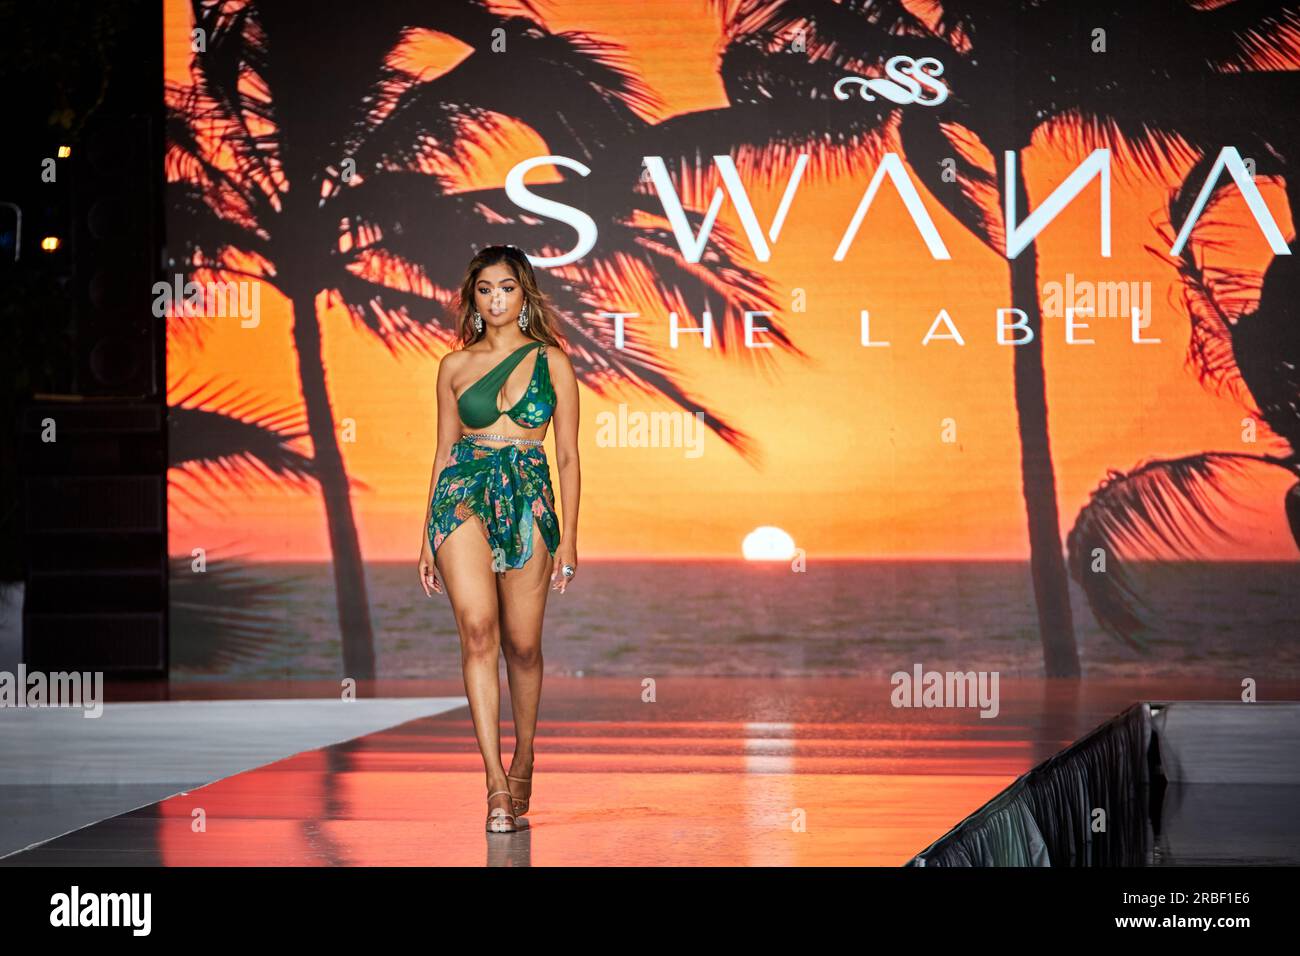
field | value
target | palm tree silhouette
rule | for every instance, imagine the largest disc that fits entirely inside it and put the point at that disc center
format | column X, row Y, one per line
column 1244, row 342
column 353, row 201
column 1014, row 70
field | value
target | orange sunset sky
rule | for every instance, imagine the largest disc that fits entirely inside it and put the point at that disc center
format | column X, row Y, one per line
column 851, row 457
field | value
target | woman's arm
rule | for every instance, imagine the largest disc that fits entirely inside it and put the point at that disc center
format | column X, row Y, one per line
column 565, row 424
column 448, row 430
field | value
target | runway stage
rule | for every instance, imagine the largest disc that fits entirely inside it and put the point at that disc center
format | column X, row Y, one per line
column 716, row 772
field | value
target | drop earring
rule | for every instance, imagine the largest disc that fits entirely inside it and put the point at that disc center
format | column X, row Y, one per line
column 478, row 321
column 523, row 318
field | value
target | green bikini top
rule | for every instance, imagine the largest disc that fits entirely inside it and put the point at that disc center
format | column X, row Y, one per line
column 478, row 403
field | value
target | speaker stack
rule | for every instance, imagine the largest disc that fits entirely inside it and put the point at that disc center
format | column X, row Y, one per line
column 94, row 463
column 116, row 256
column 96, row 592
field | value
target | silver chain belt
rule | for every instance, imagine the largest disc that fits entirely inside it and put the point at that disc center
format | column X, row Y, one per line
column 517, row 441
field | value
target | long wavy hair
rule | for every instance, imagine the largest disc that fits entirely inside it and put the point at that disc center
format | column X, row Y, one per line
column 541, row 313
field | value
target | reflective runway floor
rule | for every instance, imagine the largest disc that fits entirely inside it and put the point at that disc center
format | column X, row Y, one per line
column 715, row 772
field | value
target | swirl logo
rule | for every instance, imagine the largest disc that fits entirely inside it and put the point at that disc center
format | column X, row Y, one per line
column 905, row 82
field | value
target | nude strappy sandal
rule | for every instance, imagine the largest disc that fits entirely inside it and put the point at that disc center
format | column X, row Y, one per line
column 499, row 819
column 520, row 804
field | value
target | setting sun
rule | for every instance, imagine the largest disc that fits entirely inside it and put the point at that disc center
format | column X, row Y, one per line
column 767, row 544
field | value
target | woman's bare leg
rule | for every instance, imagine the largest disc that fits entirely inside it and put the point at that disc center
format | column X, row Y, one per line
column 523, row 602
column 464, row 561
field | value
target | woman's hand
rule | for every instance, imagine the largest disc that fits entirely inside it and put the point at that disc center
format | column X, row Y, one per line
column 564, row 554
column 428, row 572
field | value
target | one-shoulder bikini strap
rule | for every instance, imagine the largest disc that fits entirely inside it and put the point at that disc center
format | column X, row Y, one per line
column 541, row 359
column 491, row 382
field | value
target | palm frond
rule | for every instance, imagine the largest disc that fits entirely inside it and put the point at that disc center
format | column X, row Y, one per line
column 972, row 196
column 1244, row 339
column 394, row 300
column 840, row 32
column 1161, row 504
column 413, row 126
column 228, row 614
column 779, row 105
column 1080, row 100
column 594, row 82
column 235, row 188
column 1142, row 146
column 1215, row 298
column 226, row 77
column 218, row 439
column 1249, row 34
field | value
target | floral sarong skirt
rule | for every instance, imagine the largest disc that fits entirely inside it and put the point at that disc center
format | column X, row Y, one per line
column 508, row 488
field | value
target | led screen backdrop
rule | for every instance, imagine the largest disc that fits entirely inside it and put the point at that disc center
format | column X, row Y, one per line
column 1001, row 355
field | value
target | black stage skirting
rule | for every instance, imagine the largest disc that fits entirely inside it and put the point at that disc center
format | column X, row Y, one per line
column 1163, row 783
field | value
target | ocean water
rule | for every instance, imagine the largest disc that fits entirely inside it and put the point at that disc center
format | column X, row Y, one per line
column 655, row 618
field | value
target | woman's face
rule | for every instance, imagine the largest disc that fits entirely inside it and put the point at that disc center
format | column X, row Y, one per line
column 497, row 294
